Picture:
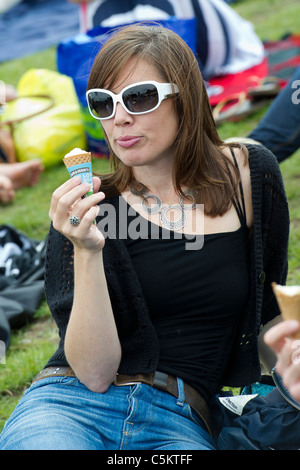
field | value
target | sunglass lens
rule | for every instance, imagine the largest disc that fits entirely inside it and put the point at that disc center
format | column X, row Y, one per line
column 141, row 98
column 101, row 104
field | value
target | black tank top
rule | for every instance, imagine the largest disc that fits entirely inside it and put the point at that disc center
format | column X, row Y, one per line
column 195, row 298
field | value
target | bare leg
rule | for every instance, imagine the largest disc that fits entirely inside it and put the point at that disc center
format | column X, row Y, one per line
column 7, row 192
column 22, row 174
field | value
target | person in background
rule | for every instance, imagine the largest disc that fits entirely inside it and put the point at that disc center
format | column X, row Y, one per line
column 226, row 43
column 279, row 129
column 13, row 175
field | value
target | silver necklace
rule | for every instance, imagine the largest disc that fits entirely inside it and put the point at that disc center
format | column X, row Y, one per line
column 163, row 209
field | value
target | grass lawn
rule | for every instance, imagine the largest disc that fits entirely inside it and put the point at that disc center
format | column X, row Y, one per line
column 32, row 346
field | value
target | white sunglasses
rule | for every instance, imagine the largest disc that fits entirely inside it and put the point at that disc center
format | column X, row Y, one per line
column 138, row 98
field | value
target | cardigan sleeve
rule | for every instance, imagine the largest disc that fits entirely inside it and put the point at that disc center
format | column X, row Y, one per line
column 275, row 245
column 274, row 227
column 59, row 284
column 268, row 262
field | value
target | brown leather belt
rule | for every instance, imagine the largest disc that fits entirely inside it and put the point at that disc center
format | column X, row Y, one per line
column 53, row 372
column 159, row 380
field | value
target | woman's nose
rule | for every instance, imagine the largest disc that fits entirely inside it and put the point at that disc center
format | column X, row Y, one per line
column 122, row 117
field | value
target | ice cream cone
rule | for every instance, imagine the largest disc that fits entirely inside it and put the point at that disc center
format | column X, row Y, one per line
column 79, row 163
column 71, row 160
column 288, row 298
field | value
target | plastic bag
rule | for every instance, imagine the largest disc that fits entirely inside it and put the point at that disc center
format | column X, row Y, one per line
column 22, row 269
column 57, row 126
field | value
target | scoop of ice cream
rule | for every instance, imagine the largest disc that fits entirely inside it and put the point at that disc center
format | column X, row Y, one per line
column 290, row 291
column 75, row 152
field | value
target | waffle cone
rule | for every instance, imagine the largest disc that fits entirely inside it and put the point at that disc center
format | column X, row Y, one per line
column 289, row 302
column 77, row 159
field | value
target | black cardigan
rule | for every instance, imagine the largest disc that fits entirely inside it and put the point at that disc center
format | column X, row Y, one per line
column 140, row 346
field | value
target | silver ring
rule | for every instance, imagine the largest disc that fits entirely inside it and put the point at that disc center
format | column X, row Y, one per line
column 74, row 220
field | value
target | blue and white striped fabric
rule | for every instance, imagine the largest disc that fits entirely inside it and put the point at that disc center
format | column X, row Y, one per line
column 226, row 43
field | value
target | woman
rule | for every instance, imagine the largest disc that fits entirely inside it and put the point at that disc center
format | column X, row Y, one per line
column 151, row 327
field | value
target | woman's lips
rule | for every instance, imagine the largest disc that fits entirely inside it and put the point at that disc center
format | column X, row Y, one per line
column 128, row 141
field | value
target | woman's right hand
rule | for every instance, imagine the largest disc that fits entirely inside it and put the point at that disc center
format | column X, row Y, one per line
column 281, row 341
column 68, row 200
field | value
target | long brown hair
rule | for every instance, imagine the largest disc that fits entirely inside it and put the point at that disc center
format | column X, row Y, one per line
column 199, row 159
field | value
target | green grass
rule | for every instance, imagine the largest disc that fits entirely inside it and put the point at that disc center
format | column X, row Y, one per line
column 32, row 345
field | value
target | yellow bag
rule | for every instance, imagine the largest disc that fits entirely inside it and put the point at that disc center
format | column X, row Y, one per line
column 45, row 118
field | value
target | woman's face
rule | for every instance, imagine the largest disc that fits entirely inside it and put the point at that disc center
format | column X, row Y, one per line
column 147, row 139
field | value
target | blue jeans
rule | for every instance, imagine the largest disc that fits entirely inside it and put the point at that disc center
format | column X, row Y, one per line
column 279, row 129
column 60, row 413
